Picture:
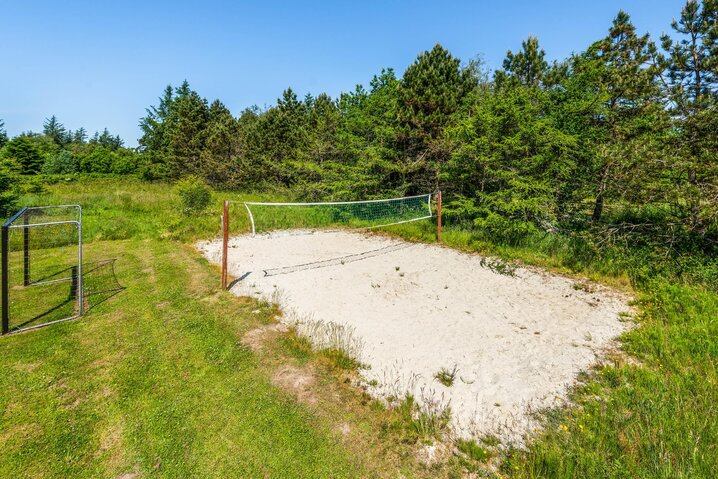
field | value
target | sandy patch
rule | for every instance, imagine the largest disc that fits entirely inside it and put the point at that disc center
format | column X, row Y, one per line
column 255, row 338
column 516, row 342
column 297, row 381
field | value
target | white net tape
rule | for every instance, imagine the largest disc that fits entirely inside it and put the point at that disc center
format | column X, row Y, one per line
column 265, row 217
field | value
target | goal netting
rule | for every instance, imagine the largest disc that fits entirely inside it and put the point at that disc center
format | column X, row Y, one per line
column 267, row 217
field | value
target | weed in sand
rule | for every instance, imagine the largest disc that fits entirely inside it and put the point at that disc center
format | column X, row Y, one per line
column 447, row 376
column 499, row 266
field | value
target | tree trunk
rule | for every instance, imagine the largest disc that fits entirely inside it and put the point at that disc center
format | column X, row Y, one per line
column 600, row 192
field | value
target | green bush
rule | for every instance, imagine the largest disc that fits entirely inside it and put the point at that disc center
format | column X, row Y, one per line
column 8, row 192
column 32, row 185
column 61, row 163
column 99, row 160
column 194, row 194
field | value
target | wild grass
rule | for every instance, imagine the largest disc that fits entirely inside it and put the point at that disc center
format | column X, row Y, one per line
column 474, row 455
column 428, row 417
column 446, row 376
column 337, row 338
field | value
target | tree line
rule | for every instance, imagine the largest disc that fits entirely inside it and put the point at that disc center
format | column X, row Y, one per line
column 621, row 137
column 628, row 125
column 30, row 157
column 58, row 150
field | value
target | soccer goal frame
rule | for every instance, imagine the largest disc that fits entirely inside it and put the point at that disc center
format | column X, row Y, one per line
column 33, row 219
column 362, row 204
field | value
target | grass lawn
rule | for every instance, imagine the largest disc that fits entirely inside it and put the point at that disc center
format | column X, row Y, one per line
column 157, row 381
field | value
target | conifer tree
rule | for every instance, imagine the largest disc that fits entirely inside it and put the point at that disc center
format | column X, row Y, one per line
column 153, row 142
column 79, row 136
column 185, row 130
column 527, row 67
column 432, row 90
column 219, row 162
column 691, row 82
column 52, row 128
column 627, row 78
column 22, row 151
column 3, row 134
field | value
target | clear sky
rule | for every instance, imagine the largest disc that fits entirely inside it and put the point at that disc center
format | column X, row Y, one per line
column 100, row 64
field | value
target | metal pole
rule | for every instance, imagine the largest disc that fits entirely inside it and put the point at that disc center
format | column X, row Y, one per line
column 73, row 296
column 438, row 216
column 5, row 281
column 80, row 285
column 251, row 217
column 26, row 249
column 225, row 241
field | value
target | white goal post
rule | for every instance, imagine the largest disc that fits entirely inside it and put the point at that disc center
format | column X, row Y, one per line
column 363, row 214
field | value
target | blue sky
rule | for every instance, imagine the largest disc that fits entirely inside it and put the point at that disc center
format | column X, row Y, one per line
column 100, row 64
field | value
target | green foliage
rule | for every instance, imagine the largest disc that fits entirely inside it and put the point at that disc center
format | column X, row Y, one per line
column 526, row 67
column 690, row 62
column 97, row 160
column 474, row 451
column 446, row 376
column 61, row 163
column 8, row 191
column 3, row 134
column 22, row 151
column 432, row 90
column 195, row 196
column 54, row 130
column 514, row 169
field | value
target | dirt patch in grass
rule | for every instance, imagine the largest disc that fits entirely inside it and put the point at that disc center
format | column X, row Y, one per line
column 256, row 338
column 296, row 381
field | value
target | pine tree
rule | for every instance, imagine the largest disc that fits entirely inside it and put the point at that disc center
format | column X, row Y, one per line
column 527, row 67
column 290, row 126
column 8, row 192
column 107, row 140
column 367, row 141
column 692, row 86
column 22, row 151
column 52, row 128
column 153, row 143
column 79, row 136
column 432, row 90
column 324, row 119
column 627, row 77
column 3, row 134
column 153, row 125
column 185, row 131
column 219, row 160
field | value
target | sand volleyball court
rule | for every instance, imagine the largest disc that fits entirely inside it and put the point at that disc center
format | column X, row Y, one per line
column 513, row 343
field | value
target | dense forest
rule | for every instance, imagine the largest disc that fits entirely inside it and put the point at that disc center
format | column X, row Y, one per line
column 620, row 140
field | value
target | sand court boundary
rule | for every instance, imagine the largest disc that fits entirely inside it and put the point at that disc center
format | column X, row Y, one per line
column 514, row 342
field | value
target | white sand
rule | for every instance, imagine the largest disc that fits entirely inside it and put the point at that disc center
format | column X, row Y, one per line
column 517, row 342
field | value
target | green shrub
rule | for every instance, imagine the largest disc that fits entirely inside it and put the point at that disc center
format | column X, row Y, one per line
column 194, row 194
column 8, row 193
column 99, row 160
column 32, row 185
column 60, row 163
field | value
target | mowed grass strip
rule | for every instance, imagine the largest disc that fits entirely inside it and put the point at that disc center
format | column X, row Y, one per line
column 154, row 381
